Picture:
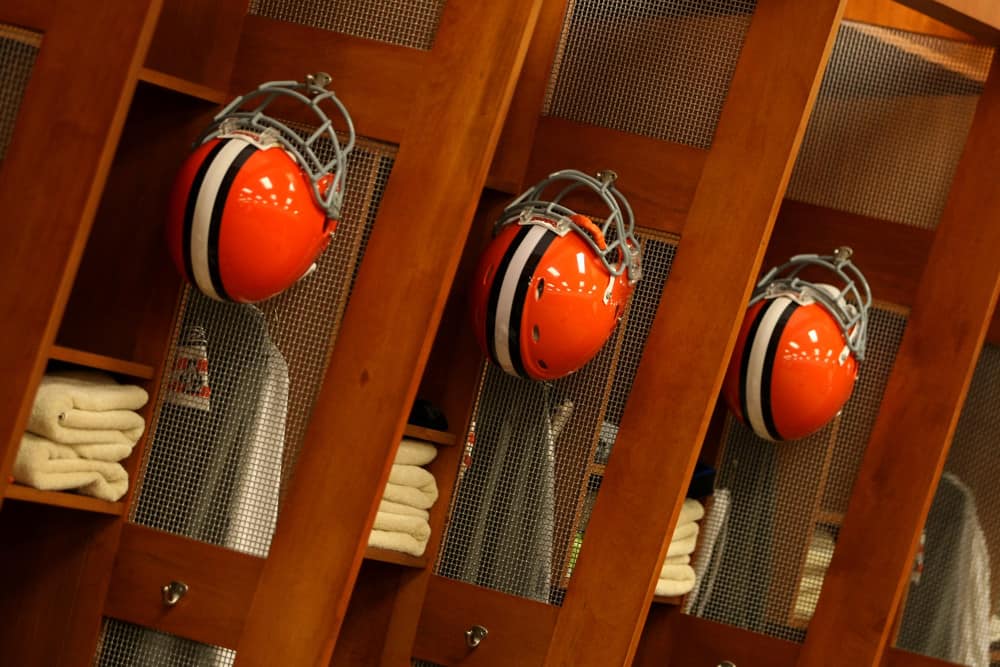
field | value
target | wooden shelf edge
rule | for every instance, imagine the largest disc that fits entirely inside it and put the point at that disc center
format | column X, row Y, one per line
column 179, row 85
column 430, row 435
column 63, row 499
column 674, row 600
column 395, row 557
column 101, row 362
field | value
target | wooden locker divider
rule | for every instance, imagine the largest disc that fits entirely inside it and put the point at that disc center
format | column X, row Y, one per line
column 373, row 373
column 979, row 18
column 67, row 128
column 951, row 312
column 722, row 245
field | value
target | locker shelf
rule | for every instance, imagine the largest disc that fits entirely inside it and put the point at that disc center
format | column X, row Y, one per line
column 101, row 362
column 183, row 86
column 430, row 435
column 387, row 556
column 63, row 499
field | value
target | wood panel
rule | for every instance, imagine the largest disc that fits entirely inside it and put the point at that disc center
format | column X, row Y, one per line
column 373, row 373
column 221, row 584
column 893, row 15
column 519, row 629
column 196, row 40
column 657, row 177
column 33, row 14
column 674, row 393
column 63, row 499
column 920, row 407
column 518, row 137
column 67, row 127
column 54, row 570
column 366, row 626
column 379, row 83
column 979, row 18
column 101, row 362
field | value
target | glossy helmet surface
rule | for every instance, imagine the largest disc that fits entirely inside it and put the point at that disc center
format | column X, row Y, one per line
column 254, row 205
column 552, row 285
column 796, row 356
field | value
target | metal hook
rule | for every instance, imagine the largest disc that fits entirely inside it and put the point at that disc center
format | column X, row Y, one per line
column 475, row 635
column 842, row 254
column 173, row 592
column 607, row 176
column 319, row 79
column 726, row 663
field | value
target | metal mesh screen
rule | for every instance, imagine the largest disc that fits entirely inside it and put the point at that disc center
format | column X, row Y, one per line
column 659, row 68
column 890, row 123
column 232, row 413
column 18, row 50
column 785, row 505
column 952, row 603
column 538, row 457
column 125, row 645
column 410, row 23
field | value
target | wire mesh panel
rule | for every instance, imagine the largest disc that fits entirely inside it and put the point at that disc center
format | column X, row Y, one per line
column 233, row 411
column 951, row 609
column 18, row 50
column 890, row 123
column 785, row 504
column 126, row 645
column 410, row 23
column 519, row 507
column 659, row 68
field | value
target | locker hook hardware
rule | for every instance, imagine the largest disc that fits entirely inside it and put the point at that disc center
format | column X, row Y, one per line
column 475, row 635
column 173, row 592
column 726, row 663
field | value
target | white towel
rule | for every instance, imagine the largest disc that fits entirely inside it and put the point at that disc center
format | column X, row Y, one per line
column 677, row 560
column 676, row 572
column 691, row 511
column 86, row 407
column 106, row 451
column 683, row 547
column 411, row 485
column 402, row 542
column 415, row 452
column 681, row 584
column 389, row 507
column 684, row 531
column 49, row 466
column 399, row 523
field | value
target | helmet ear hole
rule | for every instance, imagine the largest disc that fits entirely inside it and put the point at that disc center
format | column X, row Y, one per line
column 539, row 289
column 535, row 333
column 541, row 362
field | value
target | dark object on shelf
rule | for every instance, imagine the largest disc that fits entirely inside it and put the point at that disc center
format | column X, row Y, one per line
column 427, row 415
column 702, row 481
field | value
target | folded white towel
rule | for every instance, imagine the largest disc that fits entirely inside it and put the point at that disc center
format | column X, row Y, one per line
column 49, row 466
column 677, row 560
column 402, row 542
column 411, row 485
column 677, row 572
column 691, row 510
column 106, row 451
column 86, row 407
column 407, row 495
column 389, row 507
column 680, row 585
column 415, row 452
column 683, row 547
column 399, row 523
column 684, row 531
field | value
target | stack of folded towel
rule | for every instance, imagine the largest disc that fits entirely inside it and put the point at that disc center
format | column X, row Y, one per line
column 402, row 522
column 818, row 559
column 82, row 424
column 676, row 575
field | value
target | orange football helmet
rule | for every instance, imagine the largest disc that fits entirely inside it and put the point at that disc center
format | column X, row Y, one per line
column 254, row 205
column 797, row 353
column 552, row 284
